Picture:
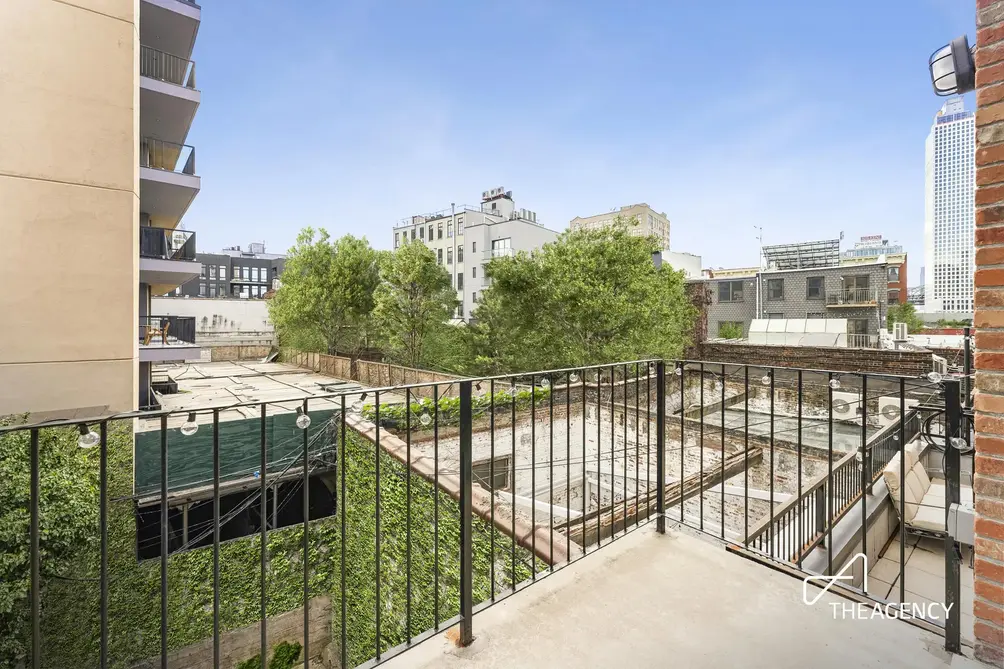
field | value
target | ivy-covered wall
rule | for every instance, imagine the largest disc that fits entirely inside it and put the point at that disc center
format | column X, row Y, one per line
column 71, row 602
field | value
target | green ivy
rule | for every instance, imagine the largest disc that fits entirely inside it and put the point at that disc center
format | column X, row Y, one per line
column 71, row 631
column 394, row 416
column 285, row 655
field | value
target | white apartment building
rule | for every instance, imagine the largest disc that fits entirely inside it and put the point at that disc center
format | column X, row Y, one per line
column 650, row 222
column 949, row 211
column 465, row 237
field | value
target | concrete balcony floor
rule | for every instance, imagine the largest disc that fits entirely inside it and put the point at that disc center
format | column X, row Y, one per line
column 676, row 600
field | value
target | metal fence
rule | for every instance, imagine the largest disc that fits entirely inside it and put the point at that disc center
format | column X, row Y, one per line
column 392, row 514
column 161, row 155
column 166, row 244
column 166, row 67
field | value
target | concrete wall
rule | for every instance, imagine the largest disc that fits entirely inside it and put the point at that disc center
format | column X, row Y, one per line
column 217, row 316
column 242, row 644
column 69, row 184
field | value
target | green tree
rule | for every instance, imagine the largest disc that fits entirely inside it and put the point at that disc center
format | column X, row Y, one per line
column 413, row 302
column 592, row 296
column 326, row 297
column 68, row 505
column 904, row 313
column 730, row 331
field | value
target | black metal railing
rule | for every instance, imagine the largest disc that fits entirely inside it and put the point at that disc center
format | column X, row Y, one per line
column 166, row 330
column 161, row 155
column 367, row 521
column 166, row 67
column 166, row 244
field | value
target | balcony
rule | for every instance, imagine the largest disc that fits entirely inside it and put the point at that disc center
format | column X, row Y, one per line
column 168, row 97
column 862, row 341
column 537, row 489
column 499, row 253
column 169, row 25
column 167, row 339
column 168, row 183
column 852, row 297
column 166, row 258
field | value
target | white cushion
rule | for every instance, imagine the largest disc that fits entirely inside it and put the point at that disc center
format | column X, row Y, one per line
column 929, row 518
column 914, row 487
column 937, row 492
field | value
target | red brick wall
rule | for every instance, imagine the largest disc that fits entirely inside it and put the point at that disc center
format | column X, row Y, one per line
column 874, row 360
column 988, row 603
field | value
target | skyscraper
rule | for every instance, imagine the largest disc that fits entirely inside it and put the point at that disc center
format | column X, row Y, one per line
column 949, row 212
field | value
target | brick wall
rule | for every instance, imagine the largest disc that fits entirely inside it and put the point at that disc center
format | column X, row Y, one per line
column 372, row 374
column 239, row 352
column 988, row 483
column 879, row 361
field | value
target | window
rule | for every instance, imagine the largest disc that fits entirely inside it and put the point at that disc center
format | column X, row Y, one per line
column 893, row 297
column 246, row 273
column 212, row 271
column 202, row 272
column 474, row 247
column 460, row 280
column 730, row 329
column 439, row 230
column 775, row 289
column 449, row 256
column 730, row 291
column 449, row 229
column 254, row 273
column 815, row 314
column 439, row 256
column 202, row 289
column 460, row 253
column 814, row 288
column 857, row 326
column 421, row 232
column 396, row 241
column 501, row 247
column 474, row 272
column 460, row 226
column 474, row 297
column 430, row 232
column 894, row 274
column 492, row 475
column 223, row 272
column 212, row 290
column 775, row 316
column 413, row 234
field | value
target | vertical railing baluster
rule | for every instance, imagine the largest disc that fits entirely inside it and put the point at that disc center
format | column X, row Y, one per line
column 902, row 496
column 512, row 487
column 624, row 388
column 435, row 505
column 36, row 554
column 103, row 528
column 263, row 512
column 342, row 503
column 568, row 466
column 599, row 456
column 798, row 489
column 163, row 541
column 637, row 440
column 864, row 467
column 700, row 477
column 613, row 451
column 681, row 370
column 953, row 424
column 466, row 494
column 585, row 494
column 770, row 538
column 306, row 541
column 533, row 474
column 407, row 517
column 376, row 461
column 660, row 448
column 746, row 456
column 550, row 470
column 491, row 477
column 721, row 483
column 216, row 537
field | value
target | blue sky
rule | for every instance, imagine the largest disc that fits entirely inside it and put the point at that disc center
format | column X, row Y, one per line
column 805, row 118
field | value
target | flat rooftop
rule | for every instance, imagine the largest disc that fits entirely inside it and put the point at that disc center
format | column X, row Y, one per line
column 681, row 600
column 203, row 385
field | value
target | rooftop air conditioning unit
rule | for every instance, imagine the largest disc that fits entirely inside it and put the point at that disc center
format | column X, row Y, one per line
column 899, row 331
column 889, row 410
column 845, row 405
column 940, row 365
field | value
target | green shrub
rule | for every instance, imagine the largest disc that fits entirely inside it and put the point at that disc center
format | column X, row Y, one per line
column 395, row 415
column 285, row 655
column 250, row 663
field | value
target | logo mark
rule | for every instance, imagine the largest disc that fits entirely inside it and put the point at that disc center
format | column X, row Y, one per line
column 845, row 574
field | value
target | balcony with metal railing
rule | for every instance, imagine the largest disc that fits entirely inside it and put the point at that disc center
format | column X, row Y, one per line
column 168, row 96
column 168, row 182
column 167, row 258
column 862, row 341
column 167, row 339
column 363, row 522
column 853, row 297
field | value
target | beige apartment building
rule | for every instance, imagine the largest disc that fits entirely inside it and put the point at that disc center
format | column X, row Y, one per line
column 98, row 97
column 650, row 222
